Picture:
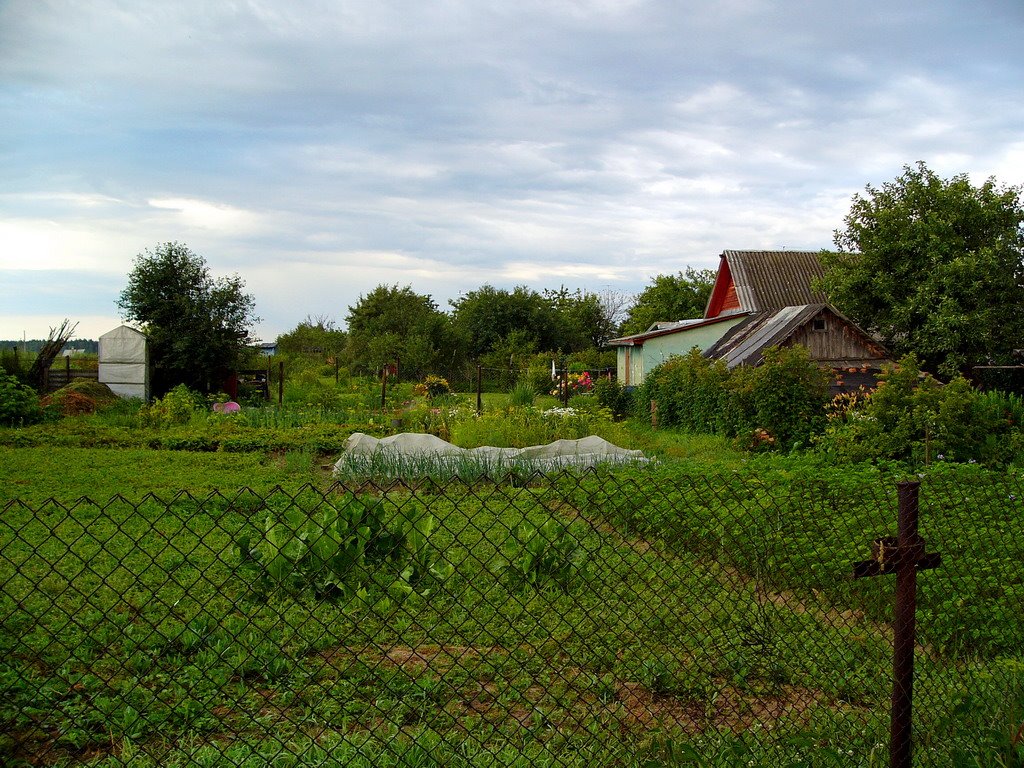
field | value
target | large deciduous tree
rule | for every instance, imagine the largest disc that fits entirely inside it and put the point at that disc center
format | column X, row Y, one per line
column 198, row 325
column 485, row 319
column 670, row 297
column 392, row 324
column 315, row 336
column 934, row 267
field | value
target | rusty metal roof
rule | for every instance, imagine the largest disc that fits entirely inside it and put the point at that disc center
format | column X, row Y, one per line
column 768, row 280
column 745, row 342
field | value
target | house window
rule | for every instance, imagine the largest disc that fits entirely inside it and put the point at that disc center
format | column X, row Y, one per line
column 819, row 324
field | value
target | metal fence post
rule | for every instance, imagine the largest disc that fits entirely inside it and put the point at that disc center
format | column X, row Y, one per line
column 903, row 555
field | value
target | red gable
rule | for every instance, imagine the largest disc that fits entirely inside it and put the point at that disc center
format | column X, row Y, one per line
column 723, row 295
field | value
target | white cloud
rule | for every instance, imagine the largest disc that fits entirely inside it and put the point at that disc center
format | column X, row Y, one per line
column 225, row 219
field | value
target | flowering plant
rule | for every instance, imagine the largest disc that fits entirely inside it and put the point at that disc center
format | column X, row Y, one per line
column 579, row 384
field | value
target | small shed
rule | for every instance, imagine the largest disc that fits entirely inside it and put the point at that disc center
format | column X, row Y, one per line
column 642, row 352
column 124, row 362
column 832, row 341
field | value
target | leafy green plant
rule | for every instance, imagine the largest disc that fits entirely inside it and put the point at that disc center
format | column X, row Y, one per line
column 613, row 396
column 178, row 406
column 522, row 394
column 18, row 403
column 324, row 553
column 545, row 555
column 433, row 387
column 778, row 404
column 332, row 552
column 911, row 416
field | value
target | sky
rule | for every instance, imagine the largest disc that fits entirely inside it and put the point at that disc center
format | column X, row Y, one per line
column 319, row 148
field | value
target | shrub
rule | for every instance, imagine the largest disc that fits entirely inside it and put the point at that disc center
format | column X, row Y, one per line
column 613, row 396
column 911, row 416
column 176, row 407
column 691, row 393
column 433, row 387
column 780, row 403
column 538, row 375
column 788, row 396
column 18, row 403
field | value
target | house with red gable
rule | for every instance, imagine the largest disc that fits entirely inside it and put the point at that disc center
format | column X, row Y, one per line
column 760, row 299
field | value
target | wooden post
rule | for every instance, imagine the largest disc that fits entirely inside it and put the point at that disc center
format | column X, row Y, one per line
column 565, row 385
column 67, row 370
column 335, row 367
column 280, row 383
column 383, row 389
column 654, row 414
column 479, row 391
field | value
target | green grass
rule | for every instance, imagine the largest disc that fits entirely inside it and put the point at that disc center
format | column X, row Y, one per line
column 36, row 474
column 168, row 640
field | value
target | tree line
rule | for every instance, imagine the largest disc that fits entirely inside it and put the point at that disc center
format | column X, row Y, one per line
column 495, row 327
column 930, row 266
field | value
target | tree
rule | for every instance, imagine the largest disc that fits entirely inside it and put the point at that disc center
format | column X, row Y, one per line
column 583, row 320
column 670, row 297
column 313, row 336
column 392, row 324
column 198, row 326
column 484, row 318
column 933, row 267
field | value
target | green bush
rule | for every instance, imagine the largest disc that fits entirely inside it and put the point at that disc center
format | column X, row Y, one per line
column 780, row 403
column 522, row 394
column 911, row 416
column 176, row 407
column 538, row 375
column 433, row 387
column 613, row 396
column 18, row 403
column 787, row 396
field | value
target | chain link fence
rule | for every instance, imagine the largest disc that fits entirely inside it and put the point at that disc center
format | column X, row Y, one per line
column 630, row 617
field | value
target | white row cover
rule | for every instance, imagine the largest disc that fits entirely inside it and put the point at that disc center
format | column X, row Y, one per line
column 587, row 452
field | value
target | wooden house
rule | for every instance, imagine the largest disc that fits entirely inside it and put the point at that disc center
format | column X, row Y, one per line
column 760, row 299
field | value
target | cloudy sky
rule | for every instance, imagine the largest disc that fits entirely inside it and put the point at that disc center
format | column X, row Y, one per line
column 319, row 148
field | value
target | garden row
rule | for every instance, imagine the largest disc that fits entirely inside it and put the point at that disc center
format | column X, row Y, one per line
column 590, row 620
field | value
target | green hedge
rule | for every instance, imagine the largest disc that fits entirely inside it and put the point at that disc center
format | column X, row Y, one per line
column 780, row 403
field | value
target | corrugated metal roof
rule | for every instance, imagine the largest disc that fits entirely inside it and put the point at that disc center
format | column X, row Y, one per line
column 767, row 280
column 663, row 329
column 744, row 343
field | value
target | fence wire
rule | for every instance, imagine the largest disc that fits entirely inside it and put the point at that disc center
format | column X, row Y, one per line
column 605, row 618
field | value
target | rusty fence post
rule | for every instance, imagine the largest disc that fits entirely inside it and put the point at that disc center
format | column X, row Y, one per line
column 280, row 383
column 903, row 555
